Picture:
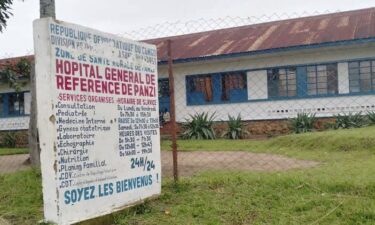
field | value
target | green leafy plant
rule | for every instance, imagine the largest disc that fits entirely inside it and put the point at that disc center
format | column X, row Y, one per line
column 304, row 122
column 371, row 117
column 199, row 126
column 350, row 120
column 330, row 126
column 9, row 140
column 235, row 128
column 16, row 75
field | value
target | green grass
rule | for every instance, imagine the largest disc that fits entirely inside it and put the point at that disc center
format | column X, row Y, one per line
column 333, row 140
column 339, row 191
column 13, row 151
column 21, row 197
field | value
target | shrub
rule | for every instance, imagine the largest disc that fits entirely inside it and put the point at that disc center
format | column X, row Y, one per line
column 235, row 128
column 9, row 140
column 304, row 122
column 371, row 117
column 330, row 125
column 350, row 120
column 199, row 126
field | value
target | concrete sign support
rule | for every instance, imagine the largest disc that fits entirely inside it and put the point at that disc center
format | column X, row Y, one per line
column 97, row 120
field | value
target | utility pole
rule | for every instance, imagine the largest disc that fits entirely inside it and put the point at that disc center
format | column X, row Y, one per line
column 47, row 9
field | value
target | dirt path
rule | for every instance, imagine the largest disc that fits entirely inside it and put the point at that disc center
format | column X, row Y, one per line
column 190, row 163
column 12, row 163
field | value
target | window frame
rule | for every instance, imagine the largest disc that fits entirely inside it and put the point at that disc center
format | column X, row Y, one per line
column 236, row 94
column 358, row 80
column 275, row 86
column 327, row 80
column 301, row 82
column 198, row 98
column 160, row 81
column 5, row 105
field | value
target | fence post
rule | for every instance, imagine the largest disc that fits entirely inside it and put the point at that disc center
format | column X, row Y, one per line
column 173, row 111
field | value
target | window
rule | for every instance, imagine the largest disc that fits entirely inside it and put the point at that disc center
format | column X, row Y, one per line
column 1, row 105
column 362, row 76
column 282, row 82
column 163, row 88
column 16, row 104
column 12, row 104
column 322, row 80
column 217, row 88
column 233, row 85
column 201, row 85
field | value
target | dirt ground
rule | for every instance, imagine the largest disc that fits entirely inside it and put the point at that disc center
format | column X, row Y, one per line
column 190, row 163
column 12, row 163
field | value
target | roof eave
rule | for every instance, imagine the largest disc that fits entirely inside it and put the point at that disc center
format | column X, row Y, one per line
column 271, row 51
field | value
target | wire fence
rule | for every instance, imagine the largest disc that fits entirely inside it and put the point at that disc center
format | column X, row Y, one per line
column 254, row 96
column 265, row 96
column 222, row 95
column 204, row 24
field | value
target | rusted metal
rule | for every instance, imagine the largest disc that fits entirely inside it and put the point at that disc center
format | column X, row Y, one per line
column 14, row 60
column 313, row 30
column 172, row 111
column 304, row 31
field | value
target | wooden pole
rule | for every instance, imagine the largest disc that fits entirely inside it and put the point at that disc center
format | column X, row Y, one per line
column 173, row 111
column 33, row 129
column 47, row 9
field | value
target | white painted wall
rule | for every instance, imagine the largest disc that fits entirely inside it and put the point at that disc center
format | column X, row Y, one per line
column 259, row 110
column 27, row 99
column 257, row 91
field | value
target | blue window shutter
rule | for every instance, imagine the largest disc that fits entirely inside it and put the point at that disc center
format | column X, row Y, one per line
column 301, row 81
column 216, row 88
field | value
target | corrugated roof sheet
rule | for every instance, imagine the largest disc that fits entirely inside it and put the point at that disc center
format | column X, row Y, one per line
column 14, row 60
column 305, row 31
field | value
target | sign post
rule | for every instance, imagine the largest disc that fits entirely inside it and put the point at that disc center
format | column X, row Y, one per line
column 97, row 119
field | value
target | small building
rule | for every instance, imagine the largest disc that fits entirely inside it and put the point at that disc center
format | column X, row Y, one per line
column 14, row 105
column 266, row 72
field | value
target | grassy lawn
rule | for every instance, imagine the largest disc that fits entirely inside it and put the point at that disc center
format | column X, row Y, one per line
column 340, row 191
column 13, row 151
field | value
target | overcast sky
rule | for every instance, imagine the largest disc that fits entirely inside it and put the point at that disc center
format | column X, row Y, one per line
column 120, row 16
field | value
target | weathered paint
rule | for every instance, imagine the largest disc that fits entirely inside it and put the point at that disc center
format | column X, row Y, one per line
column 259, row 107
column 305, row 31
column 94, row 183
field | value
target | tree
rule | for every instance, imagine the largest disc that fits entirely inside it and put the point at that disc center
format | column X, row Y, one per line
column 11, row 74
column 5, row 13
column 16, row 75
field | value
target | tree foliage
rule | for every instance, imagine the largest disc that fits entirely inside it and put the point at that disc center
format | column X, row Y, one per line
column 16, row 75
column 5, row 13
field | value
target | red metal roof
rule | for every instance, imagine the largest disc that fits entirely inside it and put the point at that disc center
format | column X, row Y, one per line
column 14, row 61
column 305, row 31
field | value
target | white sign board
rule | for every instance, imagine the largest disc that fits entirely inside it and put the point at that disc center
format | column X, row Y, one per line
column 97, row 119
column 14, row 123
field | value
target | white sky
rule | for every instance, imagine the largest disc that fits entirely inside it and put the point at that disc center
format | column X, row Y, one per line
column 120, row 16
